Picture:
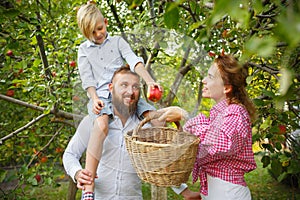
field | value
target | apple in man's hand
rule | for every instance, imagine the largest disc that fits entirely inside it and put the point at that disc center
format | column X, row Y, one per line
column 154, row 93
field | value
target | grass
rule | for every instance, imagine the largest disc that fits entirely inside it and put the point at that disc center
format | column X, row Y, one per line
column 261, row 184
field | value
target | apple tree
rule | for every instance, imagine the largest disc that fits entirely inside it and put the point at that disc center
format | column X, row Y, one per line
column 42, row 100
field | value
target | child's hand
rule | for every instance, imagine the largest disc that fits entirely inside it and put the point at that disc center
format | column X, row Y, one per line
column 97, row 106
column 154, row 84
column 154, row 92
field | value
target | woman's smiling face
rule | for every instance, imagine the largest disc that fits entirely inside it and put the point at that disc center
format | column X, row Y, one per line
column 213, row 86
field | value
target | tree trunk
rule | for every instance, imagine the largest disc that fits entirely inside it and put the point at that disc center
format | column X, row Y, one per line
column 158, row 193
column 72, row 190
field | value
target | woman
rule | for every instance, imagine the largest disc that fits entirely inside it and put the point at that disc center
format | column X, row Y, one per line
column 225, row 151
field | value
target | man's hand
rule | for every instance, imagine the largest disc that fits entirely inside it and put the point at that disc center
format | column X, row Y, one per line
column 83, row 177
column 190, row 195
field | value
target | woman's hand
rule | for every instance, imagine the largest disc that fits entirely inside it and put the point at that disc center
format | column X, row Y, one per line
column 172, row 114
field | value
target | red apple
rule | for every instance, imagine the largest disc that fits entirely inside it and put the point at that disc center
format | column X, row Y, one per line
column 59, row 150
column 211, row 54
column 154, row 94
column 282, row 129
column 44, row 159
column 9, row 53
column 10, row 93
column 38, row 178
column 53, row 74
column 72, row 63
column 76, row 98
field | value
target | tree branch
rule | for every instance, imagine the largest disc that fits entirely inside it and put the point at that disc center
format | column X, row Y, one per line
column 116, row 16
column 199, row 98
column 265, row 68
column 57, row 113
column 49, row 142
column 182, row 71
column 22, row 128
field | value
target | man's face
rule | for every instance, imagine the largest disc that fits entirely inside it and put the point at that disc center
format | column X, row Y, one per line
column 125, row 90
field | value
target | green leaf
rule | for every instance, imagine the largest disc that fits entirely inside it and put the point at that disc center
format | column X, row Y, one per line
column 257, row 6
column 276, row 167
column 294, row 168
column 286, row 80
column 237, row 10
column 258, row 102
column 283, row 158
column 288, row 27
column 260, row 46
column 266, row 124
column 265, row 160
column 282, row 176
column 11, row 13
column 278, row 146
column 2, row 174
column 171, row 16
column 268, row 93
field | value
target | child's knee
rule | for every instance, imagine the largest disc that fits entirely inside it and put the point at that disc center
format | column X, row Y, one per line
column 101, row 124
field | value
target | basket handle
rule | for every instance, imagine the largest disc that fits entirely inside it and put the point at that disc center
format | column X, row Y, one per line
column 154, row 115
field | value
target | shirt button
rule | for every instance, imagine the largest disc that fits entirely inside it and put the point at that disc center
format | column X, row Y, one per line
column 101, row 58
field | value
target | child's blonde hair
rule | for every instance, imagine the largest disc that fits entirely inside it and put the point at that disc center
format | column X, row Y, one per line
column 87, row 17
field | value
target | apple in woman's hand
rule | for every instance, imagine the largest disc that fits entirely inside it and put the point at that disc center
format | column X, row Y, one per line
column 154, row 94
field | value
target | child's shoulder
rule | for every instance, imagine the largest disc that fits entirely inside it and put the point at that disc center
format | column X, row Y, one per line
column 115, row 37
column 85, row 43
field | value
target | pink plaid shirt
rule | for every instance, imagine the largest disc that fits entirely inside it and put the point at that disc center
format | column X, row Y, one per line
column 225, row 149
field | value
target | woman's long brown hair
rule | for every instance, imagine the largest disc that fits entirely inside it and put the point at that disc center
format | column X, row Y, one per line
column 235, row 75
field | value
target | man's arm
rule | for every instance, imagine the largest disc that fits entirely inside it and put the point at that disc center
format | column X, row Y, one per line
column 76, row 147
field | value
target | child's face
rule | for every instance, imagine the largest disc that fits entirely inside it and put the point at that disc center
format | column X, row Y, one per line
column 99, row 32
column 213, row 86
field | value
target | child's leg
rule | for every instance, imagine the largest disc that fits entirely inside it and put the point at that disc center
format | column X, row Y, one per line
column 95, row 146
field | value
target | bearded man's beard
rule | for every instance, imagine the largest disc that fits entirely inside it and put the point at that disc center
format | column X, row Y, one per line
column 124, row 110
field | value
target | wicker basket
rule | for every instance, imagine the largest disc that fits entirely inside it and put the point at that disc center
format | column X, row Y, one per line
column 162, row 156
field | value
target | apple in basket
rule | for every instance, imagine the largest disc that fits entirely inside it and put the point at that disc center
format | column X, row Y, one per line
column 154, row 94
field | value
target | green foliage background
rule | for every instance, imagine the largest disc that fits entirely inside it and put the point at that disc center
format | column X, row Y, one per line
column 176, row 36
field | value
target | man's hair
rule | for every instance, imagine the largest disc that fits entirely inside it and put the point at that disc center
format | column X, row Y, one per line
column 87, row 17
column 123, row 70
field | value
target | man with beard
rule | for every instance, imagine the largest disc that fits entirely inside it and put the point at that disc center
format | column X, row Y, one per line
column 116, row 176
column 117, row 179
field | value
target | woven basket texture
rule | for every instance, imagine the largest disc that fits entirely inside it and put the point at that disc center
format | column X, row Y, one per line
column 162, row 156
